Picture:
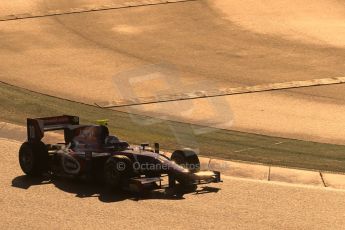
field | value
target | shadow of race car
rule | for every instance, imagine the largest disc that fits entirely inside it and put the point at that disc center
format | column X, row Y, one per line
column 90, row 151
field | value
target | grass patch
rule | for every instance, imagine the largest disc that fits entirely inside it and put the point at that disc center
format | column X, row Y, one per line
column 17, row 104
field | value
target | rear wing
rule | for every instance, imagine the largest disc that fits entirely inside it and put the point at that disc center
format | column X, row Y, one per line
column 37, row 126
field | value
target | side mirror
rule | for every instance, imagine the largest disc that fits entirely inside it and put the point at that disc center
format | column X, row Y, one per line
column 144, row 145
column 156, row 147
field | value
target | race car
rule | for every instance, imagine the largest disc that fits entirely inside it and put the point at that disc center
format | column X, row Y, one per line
column 90, row 151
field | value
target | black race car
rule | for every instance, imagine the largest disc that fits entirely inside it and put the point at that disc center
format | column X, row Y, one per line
column 89, row 151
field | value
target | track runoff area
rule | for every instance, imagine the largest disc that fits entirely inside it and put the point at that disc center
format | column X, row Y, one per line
column 222, row 92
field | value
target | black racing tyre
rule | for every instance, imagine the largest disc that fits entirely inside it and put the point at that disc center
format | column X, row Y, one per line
column 117, row 172
column 187, row 159
column 33, row 158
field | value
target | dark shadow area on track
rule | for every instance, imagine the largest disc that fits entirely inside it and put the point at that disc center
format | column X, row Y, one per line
column 88, row 189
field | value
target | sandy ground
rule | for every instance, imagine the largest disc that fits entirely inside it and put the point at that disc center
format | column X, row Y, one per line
column 19, row 6
column 91, row 57
column 235, row 204
column 25, row 6
column 309, row 118
column 316, row 22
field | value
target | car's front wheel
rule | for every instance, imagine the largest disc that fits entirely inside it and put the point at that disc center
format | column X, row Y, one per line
column 186, row 158
column 117, row 172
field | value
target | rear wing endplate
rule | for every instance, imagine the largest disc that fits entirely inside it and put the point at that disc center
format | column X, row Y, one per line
column 37, row 126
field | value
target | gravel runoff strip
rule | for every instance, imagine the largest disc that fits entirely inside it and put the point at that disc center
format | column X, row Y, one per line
column 227, row 168
column 113, row 6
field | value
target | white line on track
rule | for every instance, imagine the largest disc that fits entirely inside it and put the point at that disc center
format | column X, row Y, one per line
column 243, row 150
column 114, row 6
column 222, row 92
column 281, row 183
column 252, row 148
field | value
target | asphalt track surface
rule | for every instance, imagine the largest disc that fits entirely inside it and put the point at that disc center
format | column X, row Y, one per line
column 204, row 45
column 235, row 204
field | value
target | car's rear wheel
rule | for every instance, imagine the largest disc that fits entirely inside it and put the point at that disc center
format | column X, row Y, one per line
column 33, row 158
column 117, row 172
column 187, row 159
